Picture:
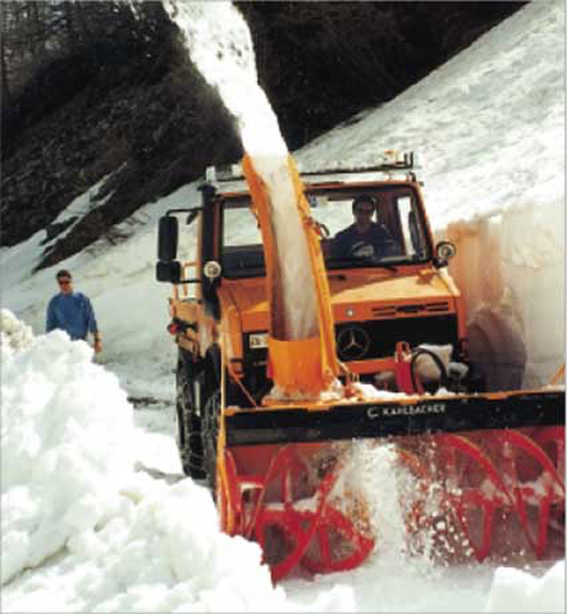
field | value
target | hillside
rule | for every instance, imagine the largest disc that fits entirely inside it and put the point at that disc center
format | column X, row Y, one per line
column 98, row 90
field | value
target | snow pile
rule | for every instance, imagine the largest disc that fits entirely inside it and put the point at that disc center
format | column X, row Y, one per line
column 61, row 464
column 71, row 499
column 220, row 44
column 512, row 264
column 15, row 336
column 160, row 551
column 514, row 590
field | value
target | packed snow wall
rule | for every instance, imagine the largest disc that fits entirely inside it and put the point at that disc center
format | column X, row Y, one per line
column 510, row 269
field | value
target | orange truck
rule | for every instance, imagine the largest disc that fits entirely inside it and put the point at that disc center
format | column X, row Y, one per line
column 269, row 419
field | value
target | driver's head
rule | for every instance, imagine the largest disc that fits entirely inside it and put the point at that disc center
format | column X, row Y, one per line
column 363, row 207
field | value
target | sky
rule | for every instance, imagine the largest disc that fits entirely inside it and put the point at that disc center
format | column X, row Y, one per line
column 96, row 514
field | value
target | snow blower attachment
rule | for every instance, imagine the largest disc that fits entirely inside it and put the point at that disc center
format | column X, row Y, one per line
column 273, row 409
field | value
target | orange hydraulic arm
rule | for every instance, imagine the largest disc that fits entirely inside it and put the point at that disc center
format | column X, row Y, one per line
column 309, row 365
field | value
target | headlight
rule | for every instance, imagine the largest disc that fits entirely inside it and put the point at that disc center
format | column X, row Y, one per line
column 445, row 250
column 212, row 269
column 258, row 341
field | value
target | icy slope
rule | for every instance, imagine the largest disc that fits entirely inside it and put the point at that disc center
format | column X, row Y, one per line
column 487, row 125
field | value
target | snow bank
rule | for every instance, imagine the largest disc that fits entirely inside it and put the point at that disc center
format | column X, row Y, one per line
column 15, row 336
column 511, row 272
column 61, row 463
column 71, row 499
column 514, row 590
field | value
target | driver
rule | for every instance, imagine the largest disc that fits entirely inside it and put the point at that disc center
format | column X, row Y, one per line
column 365, row 238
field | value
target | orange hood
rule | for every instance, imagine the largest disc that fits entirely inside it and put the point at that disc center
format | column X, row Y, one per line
column 360, row 295
column 363, row 296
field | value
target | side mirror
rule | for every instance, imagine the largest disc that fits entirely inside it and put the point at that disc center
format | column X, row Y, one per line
column 168, row 271
column 444, row 251
column 168, row 233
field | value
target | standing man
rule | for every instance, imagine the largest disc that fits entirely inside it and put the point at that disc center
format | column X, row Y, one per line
column 72, row 312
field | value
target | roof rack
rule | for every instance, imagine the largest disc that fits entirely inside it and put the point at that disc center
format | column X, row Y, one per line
column 389, row 160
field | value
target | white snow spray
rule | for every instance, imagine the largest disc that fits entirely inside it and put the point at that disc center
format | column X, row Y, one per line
column 389, row 491
column 372, row 471
column 219, row 43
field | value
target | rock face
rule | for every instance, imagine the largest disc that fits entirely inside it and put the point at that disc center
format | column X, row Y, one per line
column 143, row 118
column 123, row 103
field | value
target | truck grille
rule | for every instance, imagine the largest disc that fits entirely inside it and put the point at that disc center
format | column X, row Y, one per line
column 390, row 311
column 378, row 338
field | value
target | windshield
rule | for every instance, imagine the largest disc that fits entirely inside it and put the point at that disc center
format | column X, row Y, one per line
column 372, row 227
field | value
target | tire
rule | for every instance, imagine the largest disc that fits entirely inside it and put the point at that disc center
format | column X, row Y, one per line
column 210, row 430
column 189, row 440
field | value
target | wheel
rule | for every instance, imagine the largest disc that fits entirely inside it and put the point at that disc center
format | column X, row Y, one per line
column 210, row 431
column 189, row 441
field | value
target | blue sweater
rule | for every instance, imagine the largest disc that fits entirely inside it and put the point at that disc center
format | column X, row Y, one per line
column 376, row 242
column 72, row 313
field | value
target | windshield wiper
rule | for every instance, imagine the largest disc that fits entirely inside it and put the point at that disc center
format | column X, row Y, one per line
column 383, row 265
column 357, row 262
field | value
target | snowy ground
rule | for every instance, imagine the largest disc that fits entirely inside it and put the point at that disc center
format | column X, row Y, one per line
column 95, row 513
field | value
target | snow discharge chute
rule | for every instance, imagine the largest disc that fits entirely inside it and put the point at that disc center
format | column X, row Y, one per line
column 273, row 332
column 299, row 365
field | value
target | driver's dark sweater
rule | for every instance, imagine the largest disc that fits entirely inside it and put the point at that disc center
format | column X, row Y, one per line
column 375, row 242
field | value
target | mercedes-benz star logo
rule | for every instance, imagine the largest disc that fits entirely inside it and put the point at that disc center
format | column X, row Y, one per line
column 353, row 343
